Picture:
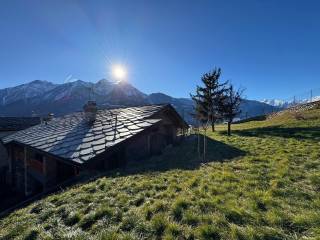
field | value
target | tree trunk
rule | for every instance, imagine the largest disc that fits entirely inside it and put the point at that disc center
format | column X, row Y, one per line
column 204, row 145
column 212, row 127
column 229, row 128
column 198, row 143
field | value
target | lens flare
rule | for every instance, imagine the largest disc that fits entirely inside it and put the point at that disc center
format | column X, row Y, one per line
column 119, row 72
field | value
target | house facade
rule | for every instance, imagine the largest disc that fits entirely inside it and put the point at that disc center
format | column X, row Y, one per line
column 55, row 151
column 10, row 125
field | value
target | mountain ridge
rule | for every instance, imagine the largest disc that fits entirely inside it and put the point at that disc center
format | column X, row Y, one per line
column 289, row 103
column 40, row 97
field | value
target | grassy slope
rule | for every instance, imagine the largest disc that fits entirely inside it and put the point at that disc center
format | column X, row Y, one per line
column 261, row 183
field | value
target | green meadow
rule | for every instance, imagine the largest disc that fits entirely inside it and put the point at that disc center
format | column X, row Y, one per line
column 263, row 182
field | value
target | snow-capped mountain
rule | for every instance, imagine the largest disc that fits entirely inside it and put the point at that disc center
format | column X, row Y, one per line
column 275, row 102
column 285, row 104
column 40, row 97
column 24, row 91
column 43, row 97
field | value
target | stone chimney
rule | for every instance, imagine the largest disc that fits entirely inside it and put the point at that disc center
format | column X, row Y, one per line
column 90, row 111
column 47, row 119
column 50, row 117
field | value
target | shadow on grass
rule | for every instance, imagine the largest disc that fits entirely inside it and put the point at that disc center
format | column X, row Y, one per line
column 182, row 156
column 185, row 156
column 299, row 133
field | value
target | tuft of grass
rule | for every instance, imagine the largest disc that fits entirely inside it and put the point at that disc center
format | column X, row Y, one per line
column 87, row 221
column 207, row 232
column 32, row 234
column 73, row 219
column 159, row 224
column 178, row 208
column 129, row 222
column 191, row 218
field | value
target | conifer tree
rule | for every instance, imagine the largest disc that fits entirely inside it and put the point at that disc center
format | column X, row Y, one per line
column 207, row 97
column 207, row 100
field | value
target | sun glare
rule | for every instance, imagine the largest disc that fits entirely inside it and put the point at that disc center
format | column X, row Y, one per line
column 119, row 72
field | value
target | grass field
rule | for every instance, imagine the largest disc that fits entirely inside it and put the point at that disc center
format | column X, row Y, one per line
column 263, row 182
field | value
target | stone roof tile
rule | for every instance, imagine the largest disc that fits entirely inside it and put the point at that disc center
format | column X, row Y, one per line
column 72, row 138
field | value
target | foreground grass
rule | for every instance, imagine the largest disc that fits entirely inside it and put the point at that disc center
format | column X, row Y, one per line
column 261, row 183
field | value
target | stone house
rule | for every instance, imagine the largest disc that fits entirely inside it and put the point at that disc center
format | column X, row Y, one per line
column 57, row 150
column 10, row 125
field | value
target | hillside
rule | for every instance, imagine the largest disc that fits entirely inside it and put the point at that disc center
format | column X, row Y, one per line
column 263, row 182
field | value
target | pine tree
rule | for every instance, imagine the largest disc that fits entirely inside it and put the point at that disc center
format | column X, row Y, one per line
column 207, row 98
column 206, row 101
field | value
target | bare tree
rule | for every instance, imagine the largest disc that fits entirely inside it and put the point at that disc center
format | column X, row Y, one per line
column 230, row 103
column 199, row 115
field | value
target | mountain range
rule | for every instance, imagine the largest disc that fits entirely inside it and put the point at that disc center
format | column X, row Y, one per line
column 41, row 97
column 288, row 103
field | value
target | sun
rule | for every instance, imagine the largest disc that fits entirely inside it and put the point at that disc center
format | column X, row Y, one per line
column 119, row 72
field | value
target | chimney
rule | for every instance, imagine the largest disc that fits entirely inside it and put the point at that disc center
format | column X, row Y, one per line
column 47, row 119
column 90, row 111
column 50, row 117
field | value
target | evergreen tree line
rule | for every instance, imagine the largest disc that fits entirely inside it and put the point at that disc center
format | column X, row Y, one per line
column 216, row 101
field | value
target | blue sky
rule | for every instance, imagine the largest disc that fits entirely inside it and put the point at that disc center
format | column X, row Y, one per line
column 270, row 47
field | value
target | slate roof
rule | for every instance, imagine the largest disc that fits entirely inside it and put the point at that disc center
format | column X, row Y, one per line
column 72, row 138
column 17, row 123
